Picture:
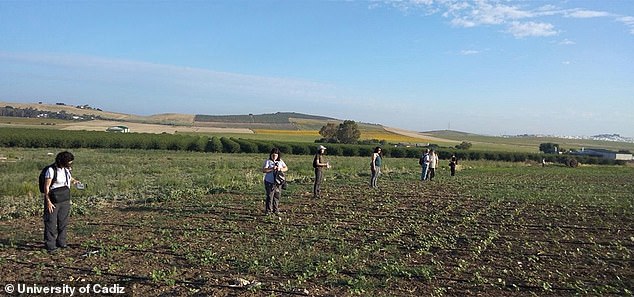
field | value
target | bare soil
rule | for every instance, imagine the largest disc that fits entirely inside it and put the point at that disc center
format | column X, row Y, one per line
column 404, row 239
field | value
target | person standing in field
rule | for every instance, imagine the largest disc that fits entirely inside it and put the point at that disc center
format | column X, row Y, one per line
column 375, row 166
column 272, row 168
column 319, row 164
column 424, row 163
column 57, row 182
column 433, row 164
column 452, row 164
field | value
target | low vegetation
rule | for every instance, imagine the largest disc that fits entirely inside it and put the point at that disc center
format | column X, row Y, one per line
column 40, row 138
column 182, row 223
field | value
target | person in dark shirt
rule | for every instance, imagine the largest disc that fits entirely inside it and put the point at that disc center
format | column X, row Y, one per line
column 319, row 164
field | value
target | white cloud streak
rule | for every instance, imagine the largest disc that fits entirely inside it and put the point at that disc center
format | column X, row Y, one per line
column 149, row 88
column 119, row 71
column 520, row 30
column 567, row 42
column 517, row 17
column 628, row 21
column 147, row 83
column 585, row 14
column 469, row 52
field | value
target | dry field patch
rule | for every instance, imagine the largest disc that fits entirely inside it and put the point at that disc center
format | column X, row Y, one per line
column 101, row 125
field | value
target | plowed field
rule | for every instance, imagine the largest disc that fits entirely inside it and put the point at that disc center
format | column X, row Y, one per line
column 406, row 238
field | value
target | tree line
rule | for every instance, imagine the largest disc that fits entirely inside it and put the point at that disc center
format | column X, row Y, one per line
column 10, row 111
column 44, row 138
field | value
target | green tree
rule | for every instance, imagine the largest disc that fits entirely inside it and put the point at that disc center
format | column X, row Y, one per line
column 464, row 145
column 348, row 132
column 549, row 148
column 329, row 131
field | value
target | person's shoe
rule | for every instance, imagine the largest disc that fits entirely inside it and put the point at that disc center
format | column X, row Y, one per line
column 51, row 252
column 63, row 246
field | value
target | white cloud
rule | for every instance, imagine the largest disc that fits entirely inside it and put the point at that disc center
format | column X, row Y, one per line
column 484, row 13
column 469, row 52
column 567, row 42
column 628, row 21
column 529, row 29
column 144, row 82
column 519, row 18
column 584, row 14
column 566, row 62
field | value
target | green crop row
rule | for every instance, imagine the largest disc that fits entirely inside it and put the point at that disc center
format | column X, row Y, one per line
column 42, row 138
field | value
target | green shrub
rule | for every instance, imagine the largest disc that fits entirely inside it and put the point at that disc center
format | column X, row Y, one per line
column 365, row 150
column 396, row 152
column 246, row 146
column 229, row 146
column 265, row 147
column 350, row 150
column 214, row 145
column 300, row 149
column 285, row 148
column 335, row 150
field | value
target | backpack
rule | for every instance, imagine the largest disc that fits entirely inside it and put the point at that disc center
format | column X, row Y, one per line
column 42, row 179
column 280, row 179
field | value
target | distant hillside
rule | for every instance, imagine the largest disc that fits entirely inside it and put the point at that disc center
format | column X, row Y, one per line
column 262, row 124
column 84, row 110
column 270, row 121
column 527, row 142
column 270, row 118
column 450, row 134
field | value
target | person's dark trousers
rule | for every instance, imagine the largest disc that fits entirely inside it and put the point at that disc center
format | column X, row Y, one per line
column 453, row 170
column 273, row 194
column 319, row 178
column 431, row 173
column 55, row 224
column 374, row 177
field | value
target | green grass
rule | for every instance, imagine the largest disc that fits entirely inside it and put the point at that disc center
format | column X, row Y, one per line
column 125, row 175
column 528, row 144
column 183, row 223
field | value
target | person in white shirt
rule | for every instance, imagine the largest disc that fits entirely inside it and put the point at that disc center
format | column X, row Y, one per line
column 272, row 166
column 433, row 164
column 57, row 182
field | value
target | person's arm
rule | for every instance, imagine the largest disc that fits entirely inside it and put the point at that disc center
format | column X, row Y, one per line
column 74, row 181
column 373, row 163
column 47, row 199
column 266, row 169
column 284, row 168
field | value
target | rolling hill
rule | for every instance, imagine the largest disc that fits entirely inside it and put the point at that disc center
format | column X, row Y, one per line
column 283, row 125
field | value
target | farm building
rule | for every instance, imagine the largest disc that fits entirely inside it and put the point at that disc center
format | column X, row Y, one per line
column 118, row 129
column 606, row 154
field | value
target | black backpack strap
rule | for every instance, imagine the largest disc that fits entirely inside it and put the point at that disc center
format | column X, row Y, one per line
column 54, row 173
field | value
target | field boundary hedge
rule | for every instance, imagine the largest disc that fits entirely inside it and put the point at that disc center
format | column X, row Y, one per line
column 45, row 138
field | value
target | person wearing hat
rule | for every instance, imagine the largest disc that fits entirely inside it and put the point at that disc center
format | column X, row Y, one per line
column 319, row 164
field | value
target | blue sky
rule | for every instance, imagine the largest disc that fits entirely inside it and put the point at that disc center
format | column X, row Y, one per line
column 489, row 67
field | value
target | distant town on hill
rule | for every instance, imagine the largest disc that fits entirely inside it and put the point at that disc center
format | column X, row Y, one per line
column 601, row 137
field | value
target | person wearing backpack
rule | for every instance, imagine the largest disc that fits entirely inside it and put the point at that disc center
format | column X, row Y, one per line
column 274, row 169
column 319, row 164
column 424, row 161
column 55, row 182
